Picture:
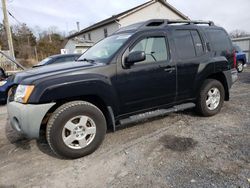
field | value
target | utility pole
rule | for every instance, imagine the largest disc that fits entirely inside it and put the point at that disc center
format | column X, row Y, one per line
column 7, row 29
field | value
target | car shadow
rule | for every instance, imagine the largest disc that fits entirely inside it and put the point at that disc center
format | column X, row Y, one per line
column 21, row 142
column 16, row 139
column 44, row 147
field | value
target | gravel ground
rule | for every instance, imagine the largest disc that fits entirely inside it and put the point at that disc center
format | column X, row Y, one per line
column 179, row 150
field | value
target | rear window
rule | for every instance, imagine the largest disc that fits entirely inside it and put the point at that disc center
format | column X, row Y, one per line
column 219, row 40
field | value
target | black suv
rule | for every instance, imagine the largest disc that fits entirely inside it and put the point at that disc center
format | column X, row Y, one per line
column 146, row 69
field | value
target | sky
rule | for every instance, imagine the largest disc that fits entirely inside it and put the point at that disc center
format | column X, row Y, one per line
column 64, row 14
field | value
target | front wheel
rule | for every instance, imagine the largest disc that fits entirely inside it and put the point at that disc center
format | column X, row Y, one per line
column 210, row 98
column 240, row 66
column 76, row 129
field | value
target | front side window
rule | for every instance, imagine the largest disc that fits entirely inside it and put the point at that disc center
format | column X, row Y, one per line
column 155, row 49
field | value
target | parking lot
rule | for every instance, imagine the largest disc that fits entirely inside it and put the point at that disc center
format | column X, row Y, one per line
column 179, row 150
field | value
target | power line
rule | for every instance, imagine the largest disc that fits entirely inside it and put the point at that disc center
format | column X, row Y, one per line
column 14, row 17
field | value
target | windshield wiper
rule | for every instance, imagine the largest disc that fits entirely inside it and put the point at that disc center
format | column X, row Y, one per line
column 87, row 60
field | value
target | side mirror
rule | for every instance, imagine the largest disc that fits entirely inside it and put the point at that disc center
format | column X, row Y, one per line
column 134, row 57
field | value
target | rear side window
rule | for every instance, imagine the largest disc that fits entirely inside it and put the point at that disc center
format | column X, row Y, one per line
column 184, row 44
column 219, row 40
column 197, row 43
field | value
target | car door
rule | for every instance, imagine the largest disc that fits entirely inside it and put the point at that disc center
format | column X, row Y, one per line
column 149, row 83
column 190, row 52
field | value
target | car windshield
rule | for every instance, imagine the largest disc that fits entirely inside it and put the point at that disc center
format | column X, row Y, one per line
column 43, row 62
column 105, row 49
column 237, row 48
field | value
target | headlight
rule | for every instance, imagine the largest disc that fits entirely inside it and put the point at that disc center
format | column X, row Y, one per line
column 23, row 93
column 2, row 83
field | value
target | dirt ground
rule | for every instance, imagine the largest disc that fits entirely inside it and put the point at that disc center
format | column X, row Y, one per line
column 179, row 150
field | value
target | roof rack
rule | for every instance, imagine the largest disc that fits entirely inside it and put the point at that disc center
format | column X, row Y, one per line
column 162, row 22
column 210, row 23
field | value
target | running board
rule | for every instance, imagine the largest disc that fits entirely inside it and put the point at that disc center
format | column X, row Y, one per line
column 156, row 113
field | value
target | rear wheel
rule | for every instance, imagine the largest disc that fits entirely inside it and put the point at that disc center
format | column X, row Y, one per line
column 240, row 66
column 76, row 129
column 211, row 98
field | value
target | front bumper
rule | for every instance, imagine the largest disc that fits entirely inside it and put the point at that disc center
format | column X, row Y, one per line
column 27, row 118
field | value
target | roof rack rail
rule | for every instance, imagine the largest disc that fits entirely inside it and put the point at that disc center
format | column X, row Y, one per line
column 210, row 23
column 165, row 22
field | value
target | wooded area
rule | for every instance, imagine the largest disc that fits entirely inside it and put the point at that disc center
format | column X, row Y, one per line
column 32, row 45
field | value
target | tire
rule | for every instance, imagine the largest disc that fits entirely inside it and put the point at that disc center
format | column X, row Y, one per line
column 211, row 98
column 240, row 66
column 76, row 129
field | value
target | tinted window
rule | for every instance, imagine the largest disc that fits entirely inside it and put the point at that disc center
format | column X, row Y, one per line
column 45, row 61
column 155, row 49
column 237, row 48
column 197, row 43
column 219, row 39
column 64, row 59
column 184, row 44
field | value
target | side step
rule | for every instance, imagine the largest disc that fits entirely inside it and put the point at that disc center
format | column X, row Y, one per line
column 156, row 113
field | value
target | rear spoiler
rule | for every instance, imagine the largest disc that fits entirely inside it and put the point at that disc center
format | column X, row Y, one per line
column 13, row 60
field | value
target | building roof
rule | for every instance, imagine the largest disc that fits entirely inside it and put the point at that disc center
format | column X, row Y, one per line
column 117, row 17
column 240, row 39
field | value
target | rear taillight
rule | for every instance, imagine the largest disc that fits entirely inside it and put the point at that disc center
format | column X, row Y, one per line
column 234, row 54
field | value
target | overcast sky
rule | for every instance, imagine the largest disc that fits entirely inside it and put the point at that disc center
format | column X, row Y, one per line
column 65, row 13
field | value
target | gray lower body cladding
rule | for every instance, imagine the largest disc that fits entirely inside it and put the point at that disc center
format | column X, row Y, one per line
column 27, row 118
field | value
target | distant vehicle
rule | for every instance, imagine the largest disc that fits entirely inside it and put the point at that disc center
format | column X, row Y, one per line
column 60, row 58
column 5, row 79
column 6, row 84
column 241, row 58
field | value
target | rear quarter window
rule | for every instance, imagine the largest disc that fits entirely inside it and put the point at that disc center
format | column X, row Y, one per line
column 219, row 40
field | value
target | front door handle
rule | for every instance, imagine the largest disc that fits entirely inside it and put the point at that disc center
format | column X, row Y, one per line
column 169, row 69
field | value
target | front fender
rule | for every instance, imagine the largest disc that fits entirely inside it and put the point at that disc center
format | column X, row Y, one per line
column 75, row 88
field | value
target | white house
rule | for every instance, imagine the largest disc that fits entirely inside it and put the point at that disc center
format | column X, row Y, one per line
column 153, row 9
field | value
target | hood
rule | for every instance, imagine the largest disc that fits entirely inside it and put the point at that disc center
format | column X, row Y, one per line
column 51, row 70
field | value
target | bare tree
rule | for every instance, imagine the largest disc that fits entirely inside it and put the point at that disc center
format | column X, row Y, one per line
column 239, row 33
